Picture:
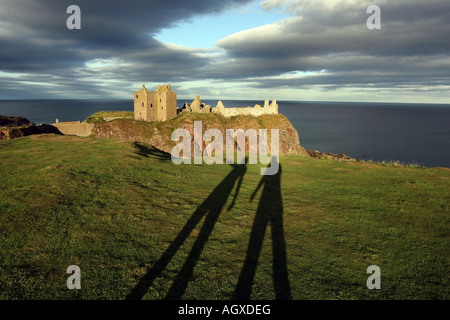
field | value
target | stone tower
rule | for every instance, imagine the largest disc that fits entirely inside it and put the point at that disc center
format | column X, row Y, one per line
column 158, row 105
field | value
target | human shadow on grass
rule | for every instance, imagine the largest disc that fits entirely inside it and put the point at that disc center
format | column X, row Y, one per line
column 151, row 152
column 210, row 209
column 270, row 211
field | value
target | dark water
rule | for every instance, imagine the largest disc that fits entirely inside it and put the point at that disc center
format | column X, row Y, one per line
column 409, row 133
column 46, row 111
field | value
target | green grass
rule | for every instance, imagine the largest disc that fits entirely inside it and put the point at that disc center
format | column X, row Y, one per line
column 98, row 116
column 114, row 209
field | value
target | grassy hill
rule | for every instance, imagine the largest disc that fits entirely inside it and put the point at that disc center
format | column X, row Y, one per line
column 141, row 227
column 99, row 116
column 158, row 133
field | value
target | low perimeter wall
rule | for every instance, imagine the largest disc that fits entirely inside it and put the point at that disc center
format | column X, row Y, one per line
column 75, row 128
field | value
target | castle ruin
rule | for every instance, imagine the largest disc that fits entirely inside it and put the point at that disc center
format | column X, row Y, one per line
column 255, row 111
column 161, row 105
column 158, row 105
column 197, row 106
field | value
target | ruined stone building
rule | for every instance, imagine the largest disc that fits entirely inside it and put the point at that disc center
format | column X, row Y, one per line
column 255, row 111
column 196, row 106
column 161, row 105
column 158, row 105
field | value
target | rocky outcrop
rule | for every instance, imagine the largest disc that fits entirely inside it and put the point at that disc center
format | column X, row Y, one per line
column 329, row 155
column 8, row 121
column 16, row 127
column 158, row 134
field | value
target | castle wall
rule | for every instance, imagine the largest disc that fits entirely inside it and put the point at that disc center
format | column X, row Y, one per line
column 152, row 107
column 162, row 106
column 256, row 111
column 171, row 109
column 159, row 105
column 140, row 105
column 196, row 106
column 75, row 128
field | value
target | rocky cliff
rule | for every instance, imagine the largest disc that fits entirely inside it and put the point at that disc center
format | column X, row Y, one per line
column 158, row 134
column 10, row 121
column 16, row 127
column 329, row 155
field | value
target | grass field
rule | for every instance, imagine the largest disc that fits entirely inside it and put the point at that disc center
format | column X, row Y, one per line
column 140, row 227
column 98, row 116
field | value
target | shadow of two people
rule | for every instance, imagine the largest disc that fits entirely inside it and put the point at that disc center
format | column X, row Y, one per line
column 270, row 210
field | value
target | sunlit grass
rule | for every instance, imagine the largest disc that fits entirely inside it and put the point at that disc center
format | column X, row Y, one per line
column 113, row 208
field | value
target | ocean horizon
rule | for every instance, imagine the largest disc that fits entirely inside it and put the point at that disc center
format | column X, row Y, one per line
column 409, row 133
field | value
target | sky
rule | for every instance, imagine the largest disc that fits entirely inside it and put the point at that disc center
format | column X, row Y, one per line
column 296, row 50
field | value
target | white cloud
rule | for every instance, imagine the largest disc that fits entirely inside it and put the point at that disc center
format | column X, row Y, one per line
column 271, row 4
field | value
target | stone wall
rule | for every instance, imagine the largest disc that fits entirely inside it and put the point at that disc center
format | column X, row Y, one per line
column 256, row 111
column 75, row 128
column 196, row 106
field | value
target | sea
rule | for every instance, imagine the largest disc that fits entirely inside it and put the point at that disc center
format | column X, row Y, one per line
column 391, row 132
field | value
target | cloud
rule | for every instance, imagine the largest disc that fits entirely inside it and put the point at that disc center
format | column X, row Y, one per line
column 35, row 41
column 343, row 29
column 410, row 48
column 324, row 44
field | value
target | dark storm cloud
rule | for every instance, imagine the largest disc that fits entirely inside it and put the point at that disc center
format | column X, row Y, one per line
column 34, row 39
column 411, row 47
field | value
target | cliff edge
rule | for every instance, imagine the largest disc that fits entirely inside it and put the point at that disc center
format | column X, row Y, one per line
column 158, row 134
column 15, row 127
